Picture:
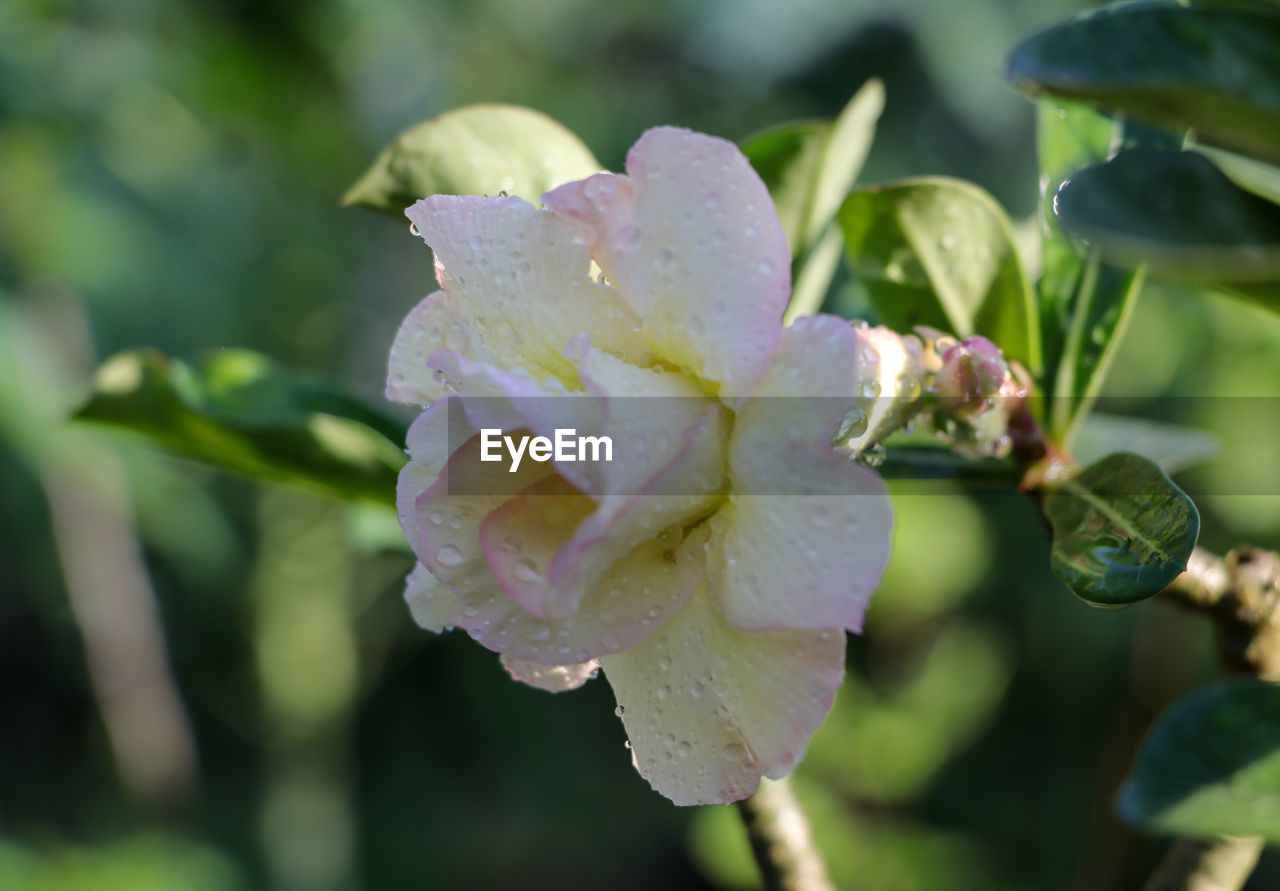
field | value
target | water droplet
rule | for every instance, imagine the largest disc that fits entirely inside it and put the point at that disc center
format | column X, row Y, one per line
column 538, row 631
column 696, row 690
column 765, row 267
column 448, row 556
column 511, row 545
column 655, row 612
column 662, row 692
column 685, row 748
column 620, row 711
column 526, row 570
column 435, row 517
column 455, row 524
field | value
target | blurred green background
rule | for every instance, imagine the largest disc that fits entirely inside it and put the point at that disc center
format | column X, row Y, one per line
column 211, row 684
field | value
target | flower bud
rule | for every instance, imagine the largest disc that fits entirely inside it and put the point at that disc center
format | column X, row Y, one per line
column 973, row 378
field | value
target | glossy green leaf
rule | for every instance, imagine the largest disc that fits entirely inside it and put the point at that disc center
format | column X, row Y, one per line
column 1085, row 304
column 1171, row 446
column 1214, row 70
column 475, row 150
column 809, row 167
column 238, row 412
column 1211, row 765
column 1176, row 212
column 1122, row 531
column 941, row 252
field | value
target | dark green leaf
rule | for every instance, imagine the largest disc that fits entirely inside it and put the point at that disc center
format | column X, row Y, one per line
column 940, row 252
column 1211, row 765
column 1122, row 531
column 1176, row 212
column 476, row 150
column 1214, row 70
column 238, row 412
column 808, row 167
column 1085, row 303
column 1171, row 446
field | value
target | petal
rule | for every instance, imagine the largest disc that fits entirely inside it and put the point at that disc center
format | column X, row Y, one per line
column 519, row 279
column 692, row 240
column 896, row 387
column 431, row 603
column 431, row 440
column 432, row 325
column 815, row 380
column 444, row 519
column 710, row 709
column 688, row 487
column 805, row 537
column 625, row 606
column 552, row 678
column 802, row 561
column 520, row 538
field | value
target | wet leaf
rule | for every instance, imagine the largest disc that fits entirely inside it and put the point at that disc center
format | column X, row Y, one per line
column 1122, row 531
column 1211, row 765
column 809, row 167
column 1085, row 303
column 941, row 252
column 475, row 150
column 1176, row 212
column 238, row 412
column 1211, row 69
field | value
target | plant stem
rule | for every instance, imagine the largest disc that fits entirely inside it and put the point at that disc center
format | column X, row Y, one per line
column 1241, row 594
column 782, row 839
column 1193, row 865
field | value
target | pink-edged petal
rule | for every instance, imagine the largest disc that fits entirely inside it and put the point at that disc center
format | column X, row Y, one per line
column 519, row 279
column 629, row 601
column 691, row 238
column 688, row 487
column 431, row 440
column 552, row 678
column 445, row 517
column 710, row 709
column 511, row 401
column 432, row 325
column 431, row 602
column 815, row 380
column 645, row 413
column 805, row 537
column 892, row 396
column 520, row 538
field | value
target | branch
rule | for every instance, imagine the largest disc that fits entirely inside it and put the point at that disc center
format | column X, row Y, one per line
column 1241, row 595
column 782, row 839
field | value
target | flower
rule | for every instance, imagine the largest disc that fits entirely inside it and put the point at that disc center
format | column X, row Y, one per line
column 712, row 567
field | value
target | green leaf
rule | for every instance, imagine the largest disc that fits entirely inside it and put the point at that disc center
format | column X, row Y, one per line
column 941, row 252
column 1122, row 531
column 1214, row 70
column 1085, row 303
column 238, row 412
column 1211, row 765
column 1176, row 212
column 1253, row 176
column 475, row 150
column 1171, row 446
column 809, row 167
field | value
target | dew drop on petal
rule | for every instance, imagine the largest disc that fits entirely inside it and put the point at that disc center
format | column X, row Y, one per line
column 538, row 631
column 448, row 556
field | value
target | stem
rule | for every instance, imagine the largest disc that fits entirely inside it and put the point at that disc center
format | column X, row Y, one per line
column 1241, row 595
column 782, row 839
column 1193, row 865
